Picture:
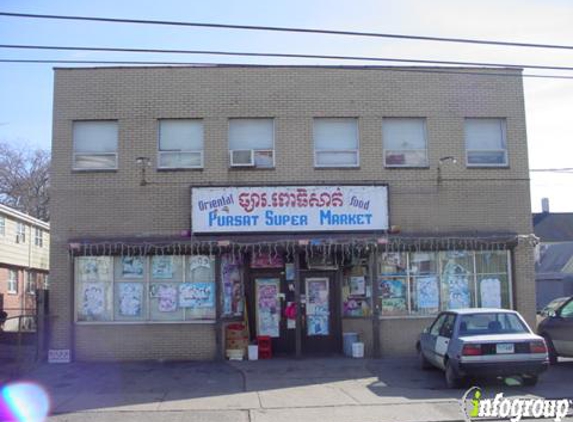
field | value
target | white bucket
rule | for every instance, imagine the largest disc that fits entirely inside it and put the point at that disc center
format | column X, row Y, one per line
column 357, row 350
column 253, row 352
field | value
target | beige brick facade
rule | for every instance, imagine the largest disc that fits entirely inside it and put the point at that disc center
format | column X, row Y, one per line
column 108, row 204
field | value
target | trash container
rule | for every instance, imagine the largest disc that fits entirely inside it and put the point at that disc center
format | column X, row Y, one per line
column 347, row 340
column 357, row 350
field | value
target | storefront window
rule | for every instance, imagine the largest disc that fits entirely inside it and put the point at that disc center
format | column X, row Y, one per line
column 232, row 285
column 457, row 271
column 138, row 289
column 94, row 282
column 356, row 292
column 422, row 283
column 393, row 284
column 492, row 280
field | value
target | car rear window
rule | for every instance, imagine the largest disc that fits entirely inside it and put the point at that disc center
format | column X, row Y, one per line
column 491, row 323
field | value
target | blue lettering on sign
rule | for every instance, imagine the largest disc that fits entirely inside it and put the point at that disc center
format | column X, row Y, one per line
column 329, row 218
column 273, row 219
column 232, row 220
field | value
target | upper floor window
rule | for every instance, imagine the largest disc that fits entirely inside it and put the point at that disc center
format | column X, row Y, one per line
column 486, row 142
column 95, row 145
column 38, row 237
column 2, row 225
column 180, row 144
column 12, row 282
column 251, row 143
column 336, row 142
column 405, row 143
column 20, row 233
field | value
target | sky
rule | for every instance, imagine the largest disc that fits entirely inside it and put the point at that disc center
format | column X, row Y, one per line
column 26, row 89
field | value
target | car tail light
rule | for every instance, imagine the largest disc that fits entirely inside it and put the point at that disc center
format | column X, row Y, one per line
column 538, row 347
column 471, row 350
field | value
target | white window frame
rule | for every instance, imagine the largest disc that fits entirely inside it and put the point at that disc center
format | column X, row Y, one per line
column 439, row 274
column 20, row 232
column 39, row 237
column 356, row 151
column 503, row 128
column 425, row 150
column 253, row 151
column 30, row 282
column 75, row 154
column 12, row 287
column 162, row 153
column 2, row 225
column 185, row 276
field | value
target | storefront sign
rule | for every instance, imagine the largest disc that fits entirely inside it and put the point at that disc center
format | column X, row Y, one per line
column 289, row 208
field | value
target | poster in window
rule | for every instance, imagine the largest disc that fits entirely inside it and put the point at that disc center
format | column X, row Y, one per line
column 427, row 292
column 393, row 296
column 93, row 269
column 162, row 267
column 268, row 307
column 357, row 286
column 490, row 293
column 267, row 260
column 166, row 295
column 199, row 261
column 130, row 299
column 132, row 267
column 197, row 295
column 317, row 296
column 232, row 286
column 93, row 300
column 456, row 279
column 289, row 271
column 317, row 325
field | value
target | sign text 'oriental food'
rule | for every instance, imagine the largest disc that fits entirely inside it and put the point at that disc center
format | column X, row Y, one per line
column 289, row 208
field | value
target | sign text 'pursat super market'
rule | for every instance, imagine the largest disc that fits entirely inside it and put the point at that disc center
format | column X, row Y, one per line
column 289, row 208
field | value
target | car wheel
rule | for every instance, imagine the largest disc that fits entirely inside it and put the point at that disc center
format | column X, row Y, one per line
column 453, row 380
column 550, row 350
column 423, row 362
column 530, row 380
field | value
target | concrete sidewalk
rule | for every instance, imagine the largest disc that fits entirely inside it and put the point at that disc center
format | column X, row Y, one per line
column 332, row 389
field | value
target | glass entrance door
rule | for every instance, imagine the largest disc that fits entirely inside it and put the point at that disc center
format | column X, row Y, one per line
column 321, row 326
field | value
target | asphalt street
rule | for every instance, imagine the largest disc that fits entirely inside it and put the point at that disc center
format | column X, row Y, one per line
column 276, row 390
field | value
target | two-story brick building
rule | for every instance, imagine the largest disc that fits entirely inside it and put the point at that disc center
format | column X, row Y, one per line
column 24, row 264
column 308, row 201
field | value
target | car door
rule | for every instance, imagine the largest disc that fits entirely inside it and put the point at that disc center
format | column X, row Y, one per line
column 443, row 340
column 430, row 338
column 562, row 330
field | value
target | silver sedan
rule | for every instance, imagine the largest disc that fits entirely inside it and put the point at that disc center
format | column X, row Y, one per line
column 482, row 342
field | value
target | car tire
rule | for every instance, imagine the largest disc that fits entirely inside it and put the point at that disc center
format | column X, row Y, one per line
column 453, row 380
column 550, row 350
column 425, row 365
column 531, row 380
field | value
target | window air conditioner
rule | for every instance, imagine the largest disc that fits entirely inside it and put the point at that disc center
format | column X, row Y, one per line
column 242, row 157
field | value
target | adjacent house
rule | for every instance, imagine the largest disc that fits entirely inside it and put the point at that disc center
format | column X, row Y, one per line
column 554, row 257
column 24, row 264
column 196, row 209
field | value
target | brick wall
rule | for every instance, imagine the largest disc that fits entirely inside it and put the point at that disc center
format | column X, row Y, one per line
column 114, row 204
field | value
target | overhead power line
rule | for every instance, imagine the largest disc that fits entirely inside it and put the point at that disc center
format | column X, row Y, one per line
column 453, row 71
column 288, row 29
column 281, row 55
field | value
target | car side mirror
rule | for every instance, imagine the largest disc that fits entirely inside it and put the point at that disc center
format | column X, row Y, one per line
column 426, row 330
column 552, row 313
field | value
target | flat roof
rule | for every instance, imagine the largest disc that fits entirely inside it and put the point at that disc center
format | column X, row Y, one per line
column 184, row 65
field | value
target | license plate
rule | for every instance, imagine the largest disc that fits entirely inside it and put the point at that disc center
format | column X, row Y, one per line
column 504, row 348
